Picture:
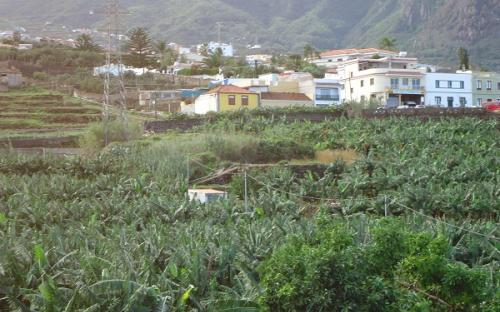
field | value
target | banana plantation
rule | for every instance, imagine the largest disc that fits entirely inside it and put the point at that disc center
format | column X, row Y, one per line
column 407, row 221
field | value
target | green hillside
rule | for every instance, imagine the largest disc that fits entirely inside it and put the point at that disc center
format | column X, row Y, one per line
column 431, row 29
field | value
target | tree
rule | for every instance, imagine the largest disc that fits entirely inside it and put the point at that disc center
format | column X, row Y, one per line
column 387, row 43
column 215, row 59
column 168, row 58
column 139, row 46
column 85, row 42
column 309, row 51
column 204, row 50
column 294, row 62
column 463, row 57
column 17, row 38
column 160, row 47
column 166, row 55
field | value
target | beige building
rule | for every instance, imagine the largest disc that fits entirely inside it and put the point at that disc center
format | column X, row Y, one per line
column 284, row 100
column 387, row 81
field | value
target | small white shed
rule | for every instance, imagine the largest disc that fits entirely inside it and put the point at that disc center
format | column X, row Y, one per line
column 206, row 195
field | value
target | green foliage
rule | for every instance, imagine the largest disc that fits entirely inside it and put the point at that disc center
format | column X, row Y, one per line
column 198, row 71
column 42, row 76
column 98, row 134
column 463, row 58
column 114, row 231
column 55, row 57
column 331, row 271
column 139, row 46
column 84, row 42
column 387, row 43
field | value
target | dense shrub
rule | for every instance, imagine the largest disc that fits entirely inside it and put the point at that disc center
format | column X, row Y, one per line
column 396, row 270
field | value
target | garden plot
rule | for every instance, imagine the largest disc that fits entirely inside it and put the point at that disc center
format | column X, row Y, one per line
column 38, row 118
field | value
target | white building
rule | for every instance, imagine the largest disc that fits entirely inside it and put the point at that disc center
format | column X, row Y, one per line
column 449, row 89
column 227, row 48
column 388, row 81
column 324, row 92
column 259, row 59
column 334, row 58
column 206, row 196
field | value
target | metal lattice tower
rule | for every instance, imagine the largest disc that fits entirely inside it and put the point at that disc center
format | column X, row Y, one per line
column 113, row 14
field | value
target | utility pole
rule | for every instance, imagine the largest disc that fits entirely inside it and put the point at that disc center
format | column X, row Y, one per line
column 219, row 32
column 188, row 172
column 246, row 190
column 386, row 207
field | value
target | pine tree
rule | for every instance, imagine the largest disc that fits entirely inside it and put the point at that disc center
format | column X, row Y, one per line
column 139, row 46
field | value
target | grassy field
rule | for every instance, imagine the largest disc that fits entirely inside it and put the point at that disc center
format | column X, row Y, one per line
column 405, row 218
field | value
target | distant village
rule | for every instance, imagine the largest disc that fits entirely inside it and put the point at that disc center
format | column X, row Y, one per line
column 375, row 77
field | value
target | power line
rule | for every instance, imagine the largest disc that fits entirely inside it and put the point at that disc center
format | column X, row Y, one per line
column 446, row 223
column 353, row 198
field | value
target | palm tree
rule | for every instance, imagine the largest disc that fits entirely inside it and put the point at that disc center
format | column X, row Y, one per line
column 214, row 60
column 309, row 51
column 387, row 43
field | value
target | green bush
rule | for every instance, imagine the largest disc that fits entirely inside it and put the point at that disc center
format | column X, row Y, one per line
column 395, row 270
column 40, row 76
column 96, row 136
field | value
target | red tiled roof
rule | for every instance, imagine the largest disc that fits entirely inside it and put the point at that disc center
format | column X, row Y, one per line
column 284, row 96
column 229, row 89
column 355, row 51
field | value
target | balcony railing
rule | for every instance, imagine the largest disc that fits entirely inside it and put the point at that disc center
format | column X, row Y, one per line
column 327, row 98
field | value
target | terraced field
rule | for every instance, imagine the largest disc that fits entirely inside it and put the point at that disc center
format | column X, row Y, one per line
column 39, row 118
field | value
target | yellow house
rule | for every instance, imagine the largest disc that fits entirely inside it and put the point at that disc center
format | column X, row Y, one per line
column 226, row 98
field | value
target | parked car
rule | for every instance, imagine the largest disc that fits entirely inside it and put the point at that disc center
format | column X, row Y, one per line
column 492, row 106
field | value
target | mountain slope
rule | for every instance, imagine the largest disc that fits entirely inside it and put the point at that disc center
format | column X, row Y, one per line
column 432, row 29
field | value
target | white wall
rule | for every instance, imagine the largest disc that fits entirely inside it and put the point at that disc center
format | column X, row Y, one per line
column 456, row 92
column 206, row 103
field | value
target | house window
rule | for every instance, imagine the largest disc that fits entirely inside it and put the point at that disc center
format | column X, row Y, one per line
column 362, row 83
column 437, row 99
column 479, row 84
column 479, row 102
column 405, row 81
column 363, row 98
column 489, row 85
column 450, row 101
column 232, row 100
column 462, row 85
column 450, row 84
column 394, row 83
column 415, row 83
column 372, row 82
column 327, row 94
column 352, row 90
column 498, row 86
column 438, row 84
column 244, row 100
column 463, row 101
